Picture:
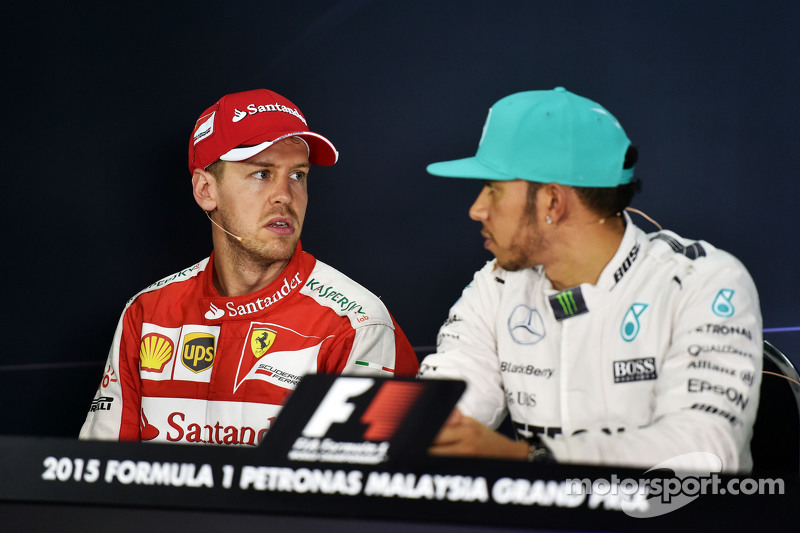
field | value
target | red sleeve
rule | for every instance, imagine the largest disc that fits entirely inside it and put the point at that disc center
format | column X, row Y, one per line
column 130, row 380
column 406, row 362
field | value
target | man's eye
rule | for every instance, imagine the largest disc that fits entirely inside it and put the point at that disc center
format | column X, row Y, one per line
column 261, row 174
column 298, row 176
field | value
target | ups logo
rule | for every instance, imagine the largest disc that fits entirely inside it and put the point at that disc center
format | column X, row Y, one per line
column 198, row 351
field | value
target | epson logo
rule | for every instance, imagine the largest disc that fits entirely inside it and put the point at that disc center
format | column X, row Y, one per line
column 731, row 394
column 635, row 370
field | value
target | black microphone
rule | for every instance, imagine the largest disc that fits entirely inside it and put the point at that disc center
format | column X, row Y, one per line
column 223, row 229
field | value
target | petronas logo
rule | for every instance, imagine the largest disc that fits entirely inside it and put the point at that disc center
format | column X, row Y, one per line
column 567, row 301
column 723, row 306
column 630, row 322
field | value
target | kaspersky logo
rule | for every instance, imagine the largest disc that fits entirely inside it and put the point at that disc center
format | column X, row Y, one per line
column 568, row 303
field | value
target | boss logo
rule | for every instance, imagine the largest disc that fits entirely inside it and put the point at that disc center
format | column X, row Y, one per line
column 635, row 370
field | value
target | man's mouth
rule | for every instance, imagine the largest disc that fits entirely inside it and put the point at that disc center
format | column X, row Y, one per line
column 280, row 226
column 487, row 238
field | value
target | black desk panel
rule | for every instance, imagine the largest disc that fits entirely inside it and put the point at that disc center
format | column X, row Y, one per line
column 51, row 484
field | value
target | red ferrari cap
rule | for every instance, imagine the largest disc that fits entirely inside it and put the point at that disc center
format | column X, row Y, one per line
column 240, row 125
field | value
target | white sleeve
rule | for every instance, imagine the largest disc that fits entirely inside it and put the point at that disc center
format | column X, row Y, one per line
column 103, row 420
column 708, row 386
column 467, row 349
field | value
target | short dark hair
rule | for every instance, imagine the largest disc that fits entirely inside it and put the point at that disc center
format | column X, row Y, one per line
column 530, row 201
column 216, row 169
column 610, row 201
column 604, row 201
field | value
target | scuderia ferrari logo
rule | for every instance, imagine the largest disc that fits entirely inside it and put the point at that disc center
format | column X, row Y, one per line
column 261, row 340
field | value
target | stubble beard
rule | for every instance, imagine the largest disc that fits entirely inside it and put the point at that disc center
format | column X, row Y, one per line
column 522, row 251
column 527, row 242
column 250, row 251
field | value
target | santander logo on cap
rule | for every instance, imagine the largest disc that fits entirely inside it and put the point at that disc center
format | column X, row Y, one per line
column 224, row 131
column 238, row 115
column 254, row 109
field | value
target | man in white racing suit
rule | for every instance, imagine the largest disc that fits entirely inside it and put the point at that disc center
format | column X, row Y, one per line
column 604, row 344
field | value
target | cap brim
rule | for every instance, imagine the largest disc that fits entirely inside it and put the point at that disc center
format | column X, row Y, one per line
column 469, row 167
column 321, row 150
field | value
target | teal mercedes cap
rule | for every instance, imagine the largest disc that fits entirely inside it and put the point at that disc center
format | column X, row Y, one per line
column 550, row 137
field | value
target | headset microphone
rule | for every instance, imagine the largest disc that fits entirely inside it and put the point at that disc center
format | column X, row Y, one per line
column 223, row 229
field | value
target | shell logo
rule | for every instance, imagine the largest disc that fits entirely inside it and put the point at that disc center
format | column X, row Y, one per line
column 155, row 351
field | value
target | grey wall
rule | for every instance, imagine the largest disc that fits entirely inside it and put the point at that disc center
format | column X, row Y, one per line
column 99, row 100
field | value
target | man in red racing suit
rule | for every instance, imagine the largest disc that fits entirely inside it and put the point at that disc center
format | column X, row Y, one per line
column 209, row 354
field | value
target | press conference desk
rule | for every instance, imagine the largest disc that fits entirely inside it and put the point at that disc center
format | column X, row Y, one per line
column 54, row 484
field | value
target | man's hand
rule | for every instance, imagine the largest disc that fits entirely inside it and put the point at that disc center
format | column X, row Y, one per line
column 465, row 436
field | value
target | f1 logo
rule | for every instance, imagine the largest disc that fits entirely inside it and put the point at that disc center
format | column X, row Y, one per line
column 384, row 414
column 335, row 406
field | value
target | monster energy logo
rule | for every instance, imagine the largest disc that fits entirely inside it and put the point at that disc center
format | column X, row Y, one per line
column 568, row 303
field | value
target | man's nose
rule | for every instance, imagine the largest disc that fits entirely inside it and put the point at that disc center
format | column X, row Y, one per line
column 281, row 192
column 479, row 210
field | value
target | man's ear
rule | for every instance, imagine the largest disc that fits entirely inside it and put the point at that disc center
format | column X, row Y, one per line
column 553, row 197
column 204, row 188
